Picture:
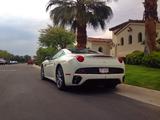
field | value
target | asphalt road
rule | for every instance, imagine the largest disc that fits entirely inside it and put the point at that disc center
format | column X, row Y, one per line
column 23, row 96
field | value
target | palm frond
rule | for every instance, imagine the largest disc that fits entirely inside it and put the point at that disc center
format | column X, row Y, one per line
column 59, row 3
column 74, row 26
column 64, row 12
column 98, row 13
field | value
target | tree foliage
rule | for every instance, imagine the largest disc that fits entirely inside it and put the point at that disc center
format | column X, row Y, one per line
column 79, row 13
column 42, row 53
column 56, row 37
column 8, row 56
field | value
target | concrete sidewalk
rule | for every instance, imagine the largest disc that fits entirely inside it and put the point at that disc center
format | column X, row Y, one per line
column 138, row 93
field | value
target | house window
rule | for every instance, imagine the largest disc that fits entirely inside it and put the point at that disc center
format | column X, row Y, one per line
column 100, row 49
column 130, row 39
column 157, row 34
column 122, row 41
column 140, row 37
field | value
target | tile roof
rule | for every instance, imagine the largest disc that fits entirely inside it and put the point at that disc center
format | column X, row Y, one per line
column 90, row 39
column 120, row 26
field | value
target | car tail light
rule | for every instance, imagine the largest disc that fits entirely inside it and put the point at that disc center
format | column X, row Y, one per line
column 80, row 58
column 120, row 59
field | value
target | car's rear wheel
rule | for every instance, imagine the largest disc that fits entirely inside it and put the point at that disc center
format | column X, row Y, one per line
column 60, row 78
column 42, row 74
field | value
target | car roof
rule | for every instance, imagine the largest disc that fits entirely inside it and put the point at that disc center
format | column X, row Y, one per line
column 67, row 51
column 79, row 51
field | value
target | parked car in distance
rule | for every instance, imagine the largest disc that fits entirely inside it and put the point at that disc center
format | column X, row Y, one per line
column 30, row 62
column 74, row 67
column 13, row 62
column 2, row 61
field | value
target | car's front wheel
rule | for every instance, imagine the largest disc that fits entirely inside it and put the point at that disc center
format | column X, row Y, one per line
column 60, row 78
column 42, row 73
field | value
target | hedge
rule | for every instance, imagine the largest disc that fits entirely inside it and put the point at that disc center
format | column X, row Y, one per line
column 135, row 58
column 152, row 60
column 138, row 58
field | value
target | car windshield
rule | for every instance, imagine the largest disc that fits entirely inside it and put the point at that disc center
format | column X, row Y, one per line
column 84, row 51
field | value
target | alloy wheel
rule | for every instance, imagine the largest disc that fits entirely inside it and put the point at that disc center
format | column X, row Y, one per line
column 42, row 74
column 60, row 78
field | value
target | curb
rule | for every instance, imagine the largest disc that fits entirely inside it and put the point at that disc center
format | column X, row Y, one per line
column 141, row 94
column 36, row 66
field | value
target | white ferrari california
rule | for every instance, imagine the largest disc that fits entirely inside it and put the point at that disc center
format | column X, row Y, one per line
column 74, row 67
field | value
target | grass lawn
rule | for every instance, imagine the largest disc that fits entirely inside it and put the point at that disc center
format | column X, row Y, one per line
column 143, row 76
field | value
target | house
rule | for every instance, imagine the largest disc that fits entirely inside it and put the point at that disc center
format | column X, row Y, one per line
column 129, row 36
column 100, row 44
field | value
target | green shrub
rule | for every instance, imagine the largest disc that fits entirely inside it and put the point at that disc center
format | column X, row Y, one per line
column 42, row 53
column 152, row 60
column 135, row 58
column 138, row 58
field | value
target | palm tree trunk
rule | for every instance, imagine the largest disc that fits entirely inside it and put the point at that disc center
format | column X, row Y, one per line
column 81, row 25
column 150, row 36
column 81, row 37
column 150, row 16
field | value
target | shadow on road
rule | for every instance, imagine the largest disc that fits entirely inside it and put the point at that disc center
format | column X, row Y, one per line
column 85, row 89
column 88, row 90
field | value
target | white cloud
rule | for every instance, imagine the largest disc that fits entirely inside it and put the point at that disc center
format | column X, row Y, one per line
column 24, row 8
column 20, row 36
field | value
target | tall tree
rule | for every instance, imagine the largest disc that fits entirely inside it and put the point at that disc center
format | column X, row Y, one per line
column 79, row 13
column 5, row 54
column 56, row 37
column 150, row 17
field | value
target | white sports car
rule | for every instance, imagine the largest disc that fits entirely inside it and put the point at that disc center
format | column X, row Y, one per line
column 73, row 67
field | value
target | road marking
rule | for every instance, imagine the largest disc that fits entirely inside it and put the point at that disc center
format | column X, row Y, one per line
column 7, row 70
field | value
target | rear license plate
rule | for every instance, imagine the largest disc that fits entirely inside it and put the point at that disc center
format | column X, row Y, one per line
column 103, row 70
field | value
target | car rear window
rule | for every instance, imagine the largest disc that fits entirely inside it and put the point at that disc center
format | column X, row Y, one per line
column 82, row 51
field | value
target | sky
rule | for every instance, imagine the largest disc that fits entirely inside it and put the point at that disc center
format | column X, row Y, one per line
column 21, row 20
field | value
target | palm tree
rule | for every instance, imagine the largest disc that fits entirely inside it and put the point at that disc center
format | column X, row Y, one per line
column 150, row 17
column 78, row 14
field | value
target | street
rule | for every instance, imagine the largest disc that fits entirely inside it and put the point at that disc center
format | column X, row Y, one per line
column 23, row 96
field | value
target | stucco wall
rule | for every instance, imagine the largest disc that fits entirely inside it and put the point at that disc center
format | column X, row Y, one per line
column 95, row 46
column 129, row 48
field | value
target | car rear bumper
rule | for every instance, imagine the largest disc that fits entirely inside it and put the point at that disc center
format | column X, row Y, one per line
column 102, row 82
column 79, row 79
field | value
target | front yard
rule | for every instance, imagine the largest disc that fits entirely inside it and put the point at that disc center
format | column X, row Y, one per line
column 143, row 76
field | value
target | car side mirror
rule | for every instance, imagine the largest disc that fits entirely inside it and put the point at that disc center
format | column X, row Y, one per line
column 48, row 58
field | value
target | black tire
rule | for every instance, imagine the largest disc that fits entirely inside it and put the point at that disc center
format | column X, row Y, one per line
column 60, row 78
column 42, row 74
